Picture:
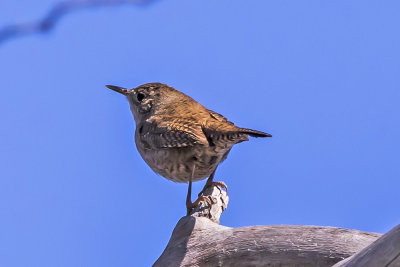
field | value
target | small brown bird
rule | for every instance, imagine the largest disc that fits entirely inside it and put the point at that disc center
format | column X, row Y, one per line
column 178, row 137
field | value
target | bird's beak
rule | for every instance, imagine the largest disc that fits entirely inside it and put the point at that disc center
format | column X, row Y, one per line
column 118, row 89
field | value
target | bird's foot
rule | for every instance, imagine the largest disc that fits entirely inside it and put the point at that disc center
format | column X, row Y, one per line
column 219, row 184
column 191, row 205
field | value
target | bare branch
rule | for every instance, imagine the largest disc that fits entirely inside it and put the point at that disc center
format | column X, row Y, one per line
column 49, row 21
column 199, row 240
column 385, row 251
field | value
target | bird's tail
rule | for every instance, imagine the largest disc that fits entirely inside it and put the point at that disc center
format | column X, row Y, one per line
column 254, row 133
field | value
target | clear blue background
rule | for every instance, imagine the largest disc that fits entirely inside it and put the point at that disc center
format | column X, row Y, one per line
column 321, row 76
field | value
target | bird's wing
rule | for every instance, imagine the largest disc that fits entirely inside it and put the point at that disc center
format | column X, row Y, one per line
column 218, row 130
column 171, row 132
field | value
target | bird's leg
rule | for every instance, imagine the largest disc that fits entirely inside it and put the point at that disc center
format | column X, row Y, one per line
column 210, row 183
column 189, row 204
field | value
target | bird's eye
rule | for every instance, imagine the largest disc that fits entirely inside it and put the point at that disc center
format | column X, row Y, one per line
column 140, row 97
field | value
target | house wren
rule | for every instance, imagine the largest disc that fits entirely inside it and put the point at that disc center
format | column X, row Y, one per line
column 178, row 137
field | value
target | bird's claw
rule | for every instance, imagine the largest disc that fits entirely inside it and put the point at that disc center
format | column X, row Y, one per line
column 190, row 206
column 218, row 184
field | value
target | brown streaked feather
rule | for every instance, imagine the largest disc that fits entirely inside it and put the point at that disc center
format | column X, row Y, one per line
column 219, row 130
column 171, row 133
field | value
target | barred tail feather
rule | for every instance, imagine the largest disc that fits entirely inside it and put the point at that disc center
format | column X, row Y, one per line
column 254, row 133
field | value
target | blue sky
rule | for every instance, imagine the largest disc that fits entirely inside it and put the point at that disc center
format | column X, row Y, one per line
column 322, row 77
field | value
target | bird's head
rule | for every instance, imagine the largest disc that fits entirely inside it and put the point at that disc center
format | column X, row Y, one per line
column 150, row 98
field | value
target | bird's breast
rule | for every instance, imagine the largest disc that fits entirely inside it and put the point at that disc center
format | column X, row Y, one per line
column 177, row 163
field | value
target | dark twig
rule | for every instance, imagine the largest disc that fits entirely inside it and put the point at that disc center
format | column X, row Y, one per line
column 48, row 22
